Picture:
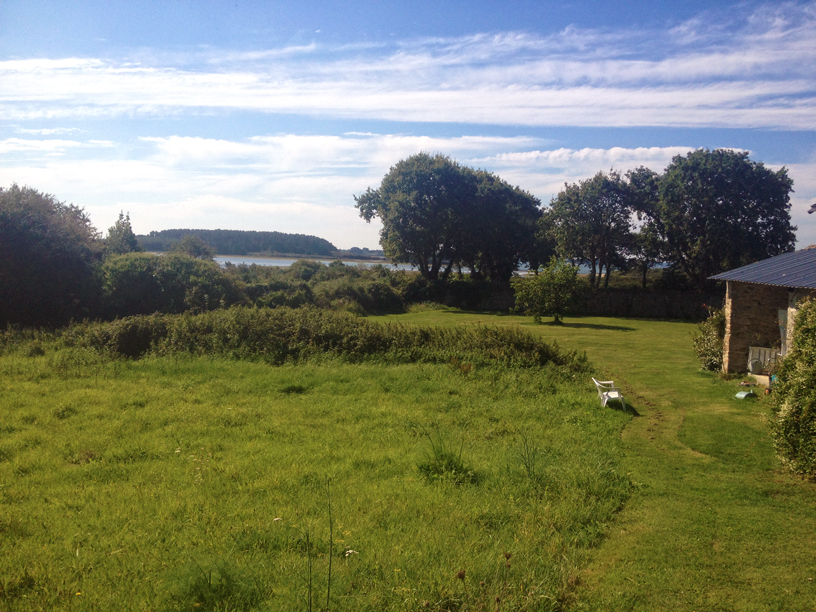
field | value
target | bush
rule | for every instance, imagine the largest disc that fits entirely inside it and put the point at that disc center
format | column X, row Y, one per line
column 709, row 344
column 552, row 291
column 373, row 296
column 141, row 283
column 290, row 335
column 793, row 427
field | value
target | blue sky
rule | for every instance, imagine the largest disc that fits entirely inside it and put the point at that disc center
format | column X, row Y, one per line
column 272, row 115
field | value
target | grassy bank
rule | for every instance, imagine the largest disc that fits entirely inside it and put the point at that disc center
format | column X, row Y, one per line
column 198, row 483
column 716, row 523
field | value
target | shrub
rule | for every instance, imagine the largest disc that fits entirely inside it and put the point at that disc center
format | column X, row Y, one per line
column 141, row 283
column 709, row 344
column 290, row 335
column 373, row 297
column 552, row 291
column 793, row 427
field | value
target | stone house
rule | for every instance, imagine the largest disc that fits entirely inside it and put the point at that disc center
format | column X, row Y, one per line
column 761, row 301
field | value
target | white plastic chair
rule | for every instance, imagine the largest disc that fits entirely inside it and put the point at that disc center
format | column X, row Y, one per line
column 608, row 391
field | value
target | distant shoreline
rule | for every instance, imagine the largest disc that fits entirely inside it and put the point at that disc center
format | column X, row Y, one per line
column 296, row 257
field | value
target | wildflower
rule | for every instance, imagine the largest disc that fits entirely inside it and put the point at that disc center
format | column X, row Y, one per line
column 461, row 575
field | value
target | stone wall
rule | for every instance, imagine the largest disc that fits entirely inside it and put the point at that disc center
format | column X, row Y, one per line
column 794, row 298
column 751, row 319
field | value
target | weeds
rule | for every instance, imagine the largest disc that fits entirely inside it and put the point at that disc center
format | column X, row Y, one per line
column 218, row 588
column 527, row 453
column 443, row 464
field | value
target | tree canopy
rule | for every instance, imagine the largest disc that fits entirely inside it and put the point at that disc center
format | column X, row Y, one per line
column 238, row 242
column 47, row 254
column 193, row 246
column 592, row 221
column 438, row 215
column 718, row 210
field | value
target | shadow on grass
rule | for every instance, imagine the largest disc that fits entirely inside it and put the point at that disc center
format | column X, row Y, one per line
column 630, row 409
column 595, row 326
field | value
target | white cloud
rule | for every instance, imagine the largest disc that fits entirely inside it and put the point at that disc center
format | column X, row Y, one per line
column 758, row 75
column 50, row 146
column 47, row 131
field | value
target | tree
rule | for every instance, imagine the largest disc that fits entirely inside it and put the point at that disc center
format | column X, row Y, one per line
column 194, row 247
column 591, row 223
column 645, row 248
column 718, row 210
column 437, row 215
column 551, row 291
column 422, row 203
column 121, row 238
column 48, row 253
column 500, row 229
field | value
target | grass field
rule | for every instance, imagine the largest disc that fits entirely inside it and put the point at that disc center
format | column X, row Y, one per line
column 206, row 484
column 716, row 524
column 156, row 484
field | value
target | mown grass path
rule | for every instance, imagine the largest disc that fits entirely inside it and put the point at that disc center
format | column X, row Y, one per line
column 716, row 523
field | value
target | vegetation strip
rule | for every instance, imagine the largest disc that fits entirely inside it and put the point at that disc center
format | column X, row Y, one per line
column 284, row 335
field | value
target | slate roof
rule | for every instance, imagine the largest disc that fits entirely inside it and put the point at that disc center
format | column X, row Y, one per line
column 796, row 269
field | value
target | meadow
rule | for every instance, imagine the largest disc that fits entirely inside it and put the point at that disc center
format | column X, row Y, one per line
column 183, row 482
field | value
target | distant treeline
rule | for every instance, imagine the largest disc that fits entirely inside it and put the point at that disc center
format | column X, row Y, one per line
column 237, row 242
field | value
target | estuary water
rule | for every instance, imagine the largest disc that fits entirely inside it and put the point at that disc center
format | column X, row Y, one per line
column 285, row 262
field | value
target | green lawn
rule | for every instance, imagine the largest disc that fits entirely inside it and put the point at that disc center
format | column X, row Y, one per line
column 201, row 484
column 204, row 484
column 716, row 524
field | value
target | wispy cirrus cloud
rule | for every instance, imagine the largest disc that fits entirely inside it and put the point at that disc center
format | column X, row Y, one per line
column 50, row 146
column 756, row 73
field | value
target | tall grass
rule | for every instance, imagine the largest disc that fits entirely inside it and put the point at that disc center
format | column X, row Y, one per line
column 286, row 335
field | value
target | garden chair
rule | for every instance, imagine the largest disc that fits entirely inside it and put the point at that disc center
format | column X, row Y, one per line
column 608, row 391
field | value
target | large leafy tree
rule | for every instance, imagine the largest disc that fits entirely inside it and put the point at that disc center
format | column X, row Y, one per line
column 48, row 253
column 592, row 221
column 437, row 214
column 422, row 202
column 718, row 210
column 500, row 228
column 645, row 248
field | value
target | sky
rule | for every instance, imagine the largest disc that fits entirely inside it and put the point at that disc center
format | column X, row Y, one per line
column 273, row 115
